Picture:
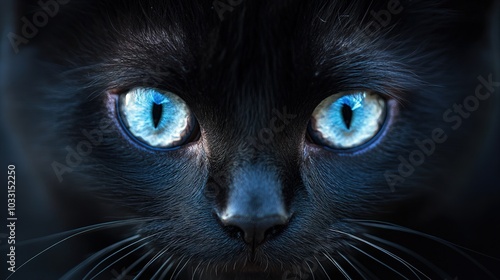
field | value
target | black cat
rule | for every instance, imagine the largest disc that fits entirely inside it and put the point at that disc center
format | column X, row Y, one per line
column 253, row 139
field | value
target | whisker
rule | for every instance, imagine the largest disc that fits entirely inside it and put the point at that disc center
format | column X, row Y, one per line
column 363, row 268
column 87, row 229
column 451, row 245
column 182, row 268
column 267, row 263
column 207, row 266
column 394, row 227
column 322, row 268
column 235, row 264
column 380, row 262
column 245, row 261
column 177, row 266
column 392, row 255
column 281, row 264
column 353, row 266
column 151, row 261
column 134, row 264
column 202, row 271
column 310, row 269
column 300, row 273
column 95, row 256
column 84, row 229
column 119, row 259
column 423, row 260
column 337, row 265
column 194, row 272
column 160, row 269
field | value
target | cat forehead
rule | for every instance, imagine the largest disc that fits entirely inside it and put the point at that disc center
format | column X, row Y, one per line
column 255, row 46
column 171, row 27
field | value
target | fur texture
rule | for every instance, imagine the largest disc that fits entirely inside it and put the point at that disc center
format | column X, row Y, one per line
column 265, row 59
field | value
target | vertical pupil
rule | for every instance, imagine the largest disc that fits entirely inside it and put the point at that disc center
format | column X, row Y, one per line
column 347, row 115
column 157, row 110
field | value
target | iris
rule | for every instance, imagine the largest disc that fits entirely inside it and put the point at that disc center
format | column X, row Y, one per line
column 156, row 118
column 347, row 120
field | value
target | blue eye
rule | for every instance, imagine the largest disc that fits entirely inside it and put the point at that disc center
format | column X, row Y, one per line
column 158, row 119
column 347, row 120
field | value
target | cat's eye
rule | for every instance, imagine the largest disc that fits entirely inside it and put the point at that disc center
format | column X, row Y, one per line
column 348, row 120
column 156, row 118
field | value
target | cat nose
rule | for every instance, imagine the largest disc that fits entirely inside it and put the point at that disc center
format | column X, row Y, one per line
column 255, row 228
column 254, row 205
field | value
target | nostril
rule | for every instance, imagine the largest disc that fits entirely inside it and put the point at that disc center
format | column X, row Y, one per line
column 275, row 230
column 253, row 230
column 233, row 231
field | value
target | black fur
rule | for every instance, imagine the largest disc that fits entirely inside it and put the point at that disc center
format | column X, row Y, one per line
column 263, row 59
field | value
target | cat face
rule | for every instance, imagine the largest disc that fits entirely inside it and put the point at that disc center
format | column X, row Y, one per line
column 245, row 138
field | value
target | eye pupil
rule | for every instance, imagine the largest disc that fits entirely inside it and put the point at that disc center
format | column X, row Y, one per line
column 157, row 111
column 347, row 115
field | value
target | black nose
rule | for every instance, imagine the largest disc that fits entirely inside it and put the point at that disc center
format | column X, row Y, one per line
column 254, row 205
column 255, row 229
